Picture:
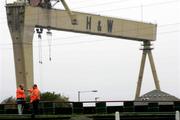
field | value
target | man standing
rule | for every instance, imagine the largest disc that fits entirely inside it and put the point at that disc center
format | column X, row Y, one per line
column 20, row 98
column 34, row 99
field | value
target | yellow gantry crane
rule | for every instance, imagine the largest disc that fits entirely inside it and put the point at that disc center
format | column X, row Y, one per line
column 24, row 16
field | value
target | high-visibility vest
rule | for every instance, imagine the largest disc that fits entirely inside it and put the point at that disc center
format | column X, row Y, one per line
column 35, row 95
column 20, row 94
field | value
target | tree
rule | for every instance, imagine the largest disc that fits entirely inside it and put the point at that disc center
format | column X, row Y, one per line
column 48, row 96
column 60, row 100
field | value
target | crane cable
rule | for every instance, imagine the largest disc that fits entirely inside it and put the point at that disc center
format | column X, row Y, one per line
column 39, row 32
column 40, row 49
column 49, row 37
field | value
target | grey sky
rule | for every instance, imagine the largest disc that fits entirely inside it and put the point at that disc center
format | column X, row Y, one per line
column 87, row 62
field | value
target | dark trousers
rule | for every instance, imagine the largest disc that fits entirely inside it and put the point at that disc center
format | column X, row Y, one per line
column 35, row 107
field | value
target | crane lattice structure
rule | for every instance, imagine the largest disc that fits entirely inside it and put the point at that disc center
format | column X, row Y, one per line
column 24, row 16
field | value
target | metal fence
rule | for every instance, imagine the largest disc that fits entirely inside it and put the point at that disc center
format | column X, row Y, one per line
column 94, row 107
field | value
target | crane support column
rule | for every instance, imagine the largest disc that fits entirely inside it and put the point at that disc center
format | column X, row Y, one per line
column 22, row 36
column 141, row 73
column 153, row 68
column 146, row 50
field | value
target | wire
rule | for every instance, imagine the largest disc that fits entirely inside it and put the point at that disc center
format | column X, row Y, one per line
column 40, row 49
column 80, row 42
column 77, row 36
column 63, row 38
column 30, row 26
column 90, row 5
column 101, row 4
column 168, row 24
column 146, row 5
column 49, row 35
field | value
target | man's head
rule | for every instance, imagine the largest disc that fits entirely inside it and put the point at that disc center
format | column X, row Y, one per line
column 34, row 86
column 21, row 86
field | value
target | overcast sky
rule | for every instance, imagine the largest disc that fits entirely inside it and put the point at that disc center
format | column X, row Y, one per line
column 83, row 62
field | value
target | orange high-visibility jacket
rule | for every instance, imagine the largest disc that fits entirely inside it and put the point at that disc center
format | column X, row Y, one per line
column 35, row 94
column 20, row 93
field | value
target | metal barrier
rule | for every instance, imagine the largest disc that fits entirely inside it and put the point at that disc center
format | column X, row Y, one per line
column 101, row 107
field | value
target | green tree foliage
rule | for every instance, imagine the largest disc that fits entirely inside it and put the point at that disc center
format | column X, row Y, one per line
column 48, row 96
column 60, row 100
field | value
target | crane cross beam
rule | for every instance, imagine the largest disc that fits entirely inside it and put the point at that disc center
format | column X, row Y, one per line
column 90, row 24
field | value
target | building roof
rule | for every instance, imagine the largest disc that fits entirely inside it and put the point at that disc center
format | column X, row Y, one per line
column 157, row 95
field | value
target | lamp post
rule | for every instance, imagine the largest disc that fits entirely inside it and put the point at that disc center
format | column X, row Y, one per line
column 79, row 93
column 96, row 98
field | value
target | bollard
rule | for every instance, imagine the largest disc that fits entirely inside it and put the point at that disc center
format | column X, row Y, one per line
column 54, row 107
column 117, row 116
column 177, row 115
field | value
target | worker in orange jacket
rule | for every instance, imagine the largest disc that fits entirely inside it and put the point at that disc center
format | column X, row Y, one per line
column 20, row 98
column 34, row 98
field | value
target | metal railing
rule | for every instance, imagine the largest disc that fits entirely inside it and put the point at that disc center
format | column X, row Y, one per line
column 94, row 107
